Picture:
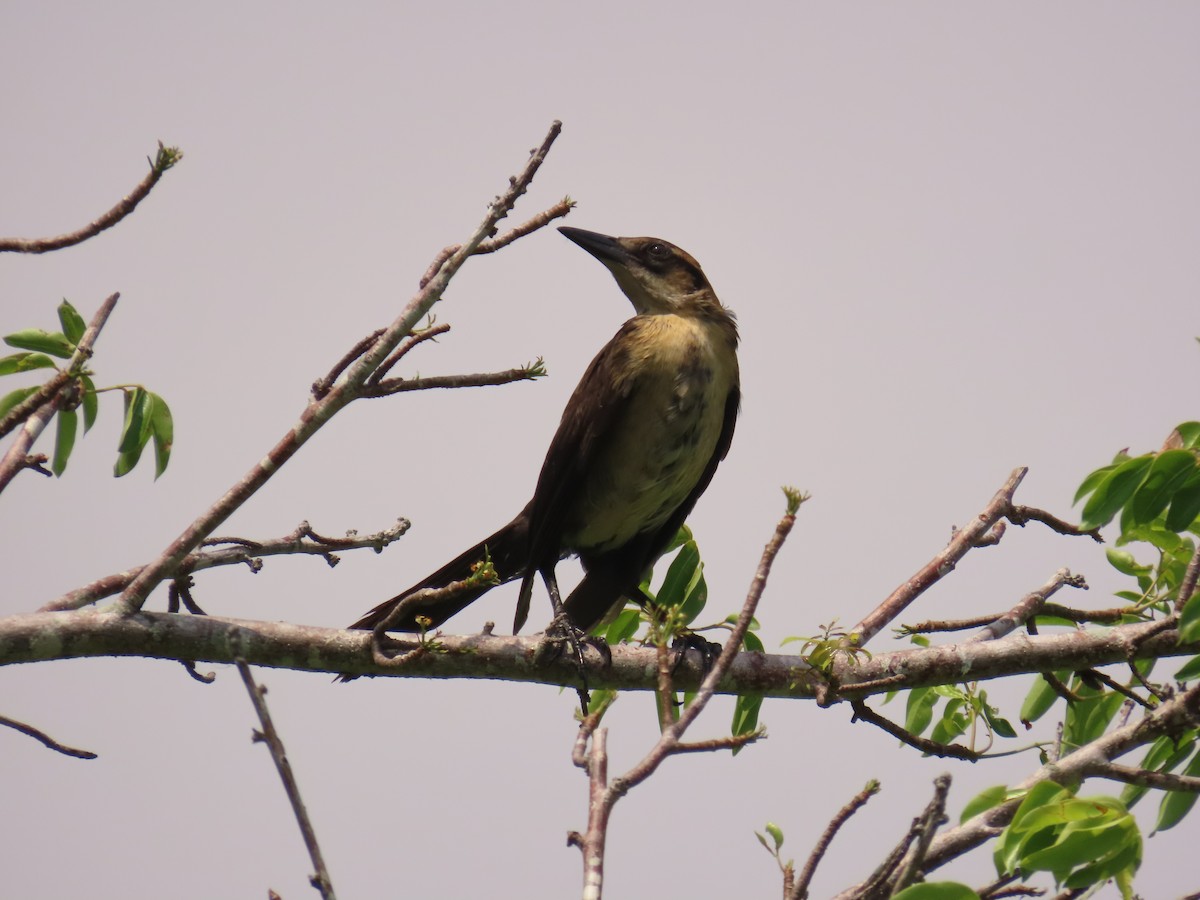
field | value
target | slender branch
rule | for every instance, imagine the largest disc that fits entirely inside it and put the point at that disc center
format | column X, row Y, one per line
column 1188, row 586
column 1029, row 606
column 425, row 334
column 1019, row 515
column 15, row 459
column 322, row 385
column 1112, row 616
column 301, row 541
column 557, row 211
column 1167, row 781
column 933, row 748
column 942, row 564
column 269, row 736
column 46, row 739
column 164, row 160
column 391, row 386
column 922, row 832
column 318, row 412
column 799, row 890
column 30, row 404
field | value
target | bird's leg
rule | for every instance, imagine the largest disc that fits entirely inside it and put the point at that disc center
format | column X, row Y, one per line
column 563, row 628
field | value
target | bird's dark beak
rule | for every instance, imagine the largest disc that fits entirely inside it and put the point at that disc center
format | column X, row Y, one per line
column 604, row 248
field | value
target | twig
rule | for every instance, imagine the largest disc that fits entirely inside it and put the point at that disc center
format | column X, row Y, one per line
column 419, row 337
column 1188, row 586
column 318, row 412
column 1112, row 616
column 1029, row 606
column 1113, row 685
column 46, row 739
column 942, row 564
column 923, row 829
column 557, row 211
column 1019, row 515
column 165, row 159
column 604, row 795
column 1167, row 781
column 320, row 879
column 799, row 890
column 392, row 386
column 301, row 541
column 15, row 459
column 322, row 385
column 933, row 748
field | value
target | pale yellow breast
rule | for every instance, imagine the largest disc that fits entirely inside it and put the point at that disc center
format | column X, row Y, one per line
column 654, row 455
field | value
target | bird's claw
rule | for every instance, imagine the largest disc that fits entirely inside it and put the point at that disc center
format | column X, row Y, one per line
column 562, row 634
column 689, row 640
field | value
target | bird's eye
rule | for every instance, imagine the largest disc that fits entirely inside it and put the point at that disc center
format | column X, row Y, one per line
column 658, row 251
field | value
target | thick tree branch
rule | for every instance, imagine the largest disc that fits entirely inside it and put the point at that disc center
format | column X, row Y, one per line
column 163, row 160
column 36, row 637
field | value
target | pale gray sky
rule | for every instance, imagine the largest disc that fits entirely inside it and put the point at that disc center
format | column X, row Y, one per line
column 959, row 237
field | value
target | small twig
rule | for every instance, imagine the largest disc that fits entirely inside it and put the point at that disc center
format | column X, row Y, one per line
column 1188, row 586
column 391, row 386
column 244, row 551
column 1112, row 616
column 165, row 159
column 30, row 404
column 320, row 879
column 1166, row 781
column 1029, row 606
column 923, row 829
column 419, row 337
column 1019, row 515
column 1114, row 685
column 46, row 739
column 799, row 890
column 925, row 745
column 964, row 540
column 321, row 386
column 557, row 211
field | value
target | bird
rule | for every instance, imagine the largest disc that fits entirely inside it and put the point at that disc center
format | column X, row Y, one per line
column 639, row 441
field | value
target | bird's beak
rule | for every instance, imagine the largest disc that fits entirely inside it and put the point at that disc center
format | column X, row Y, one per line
column 608, row 250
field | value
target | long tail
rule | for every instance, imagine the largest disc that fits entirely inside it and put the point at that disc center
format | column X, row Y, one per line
column 508, row 550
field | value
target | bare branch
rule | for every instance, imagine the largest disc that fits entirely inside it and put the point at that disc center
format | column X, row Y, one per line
column 301, row 541
column 1188, row 586
column 322, row 385
column 418, row 337
column 398, row 385
column 164, row 160
column 1019, row 515
column 933, row 748
column 799, row 890
column 942, row 564
column 320, row 879
column 1166, row 781
column 1029, row 606
column 46, row 739
column 318, row 412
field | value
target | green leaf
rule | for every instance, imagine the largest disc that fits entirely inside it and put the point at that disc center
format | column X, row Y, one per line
column 1189, row 433
column 1164, row 755
column 25, row 362
column 1039, row 699
column 745, row 715
column 1170, row 470
column 1087, row 719
column 90, row 403
column 1185, row 505
column 1177, row 804
column 624, row 626
column 1014, row 838
column 1189, row 620
column 162, row 428
column 999, row 724
column 776, row 834
column 72, row 322
column 952, row 723
column 1190, row 669
column 753, row 643
column 1114, row 489
column 52, row 342
column 937, row 890
column 64, row 440
column 1124, row 562
column 14, row 398
column 983, row 801
column 679, row 575
column 1093, row 479
column 919, row 711
column 135, row 432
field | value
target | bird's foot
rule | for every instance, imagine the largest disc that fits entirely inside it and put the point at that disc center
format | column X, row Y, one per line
column 686, row 640
column 563, row 634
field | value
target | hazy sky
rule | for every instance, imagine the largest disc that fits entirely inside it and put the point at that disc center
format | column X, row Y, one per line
column 959, row 237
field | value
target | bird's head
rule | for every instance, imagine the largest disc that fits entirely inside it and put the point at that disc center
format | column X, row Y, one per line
column 655, row 275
